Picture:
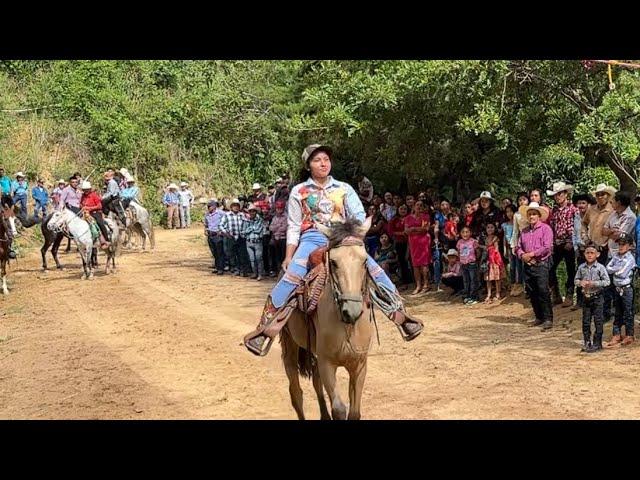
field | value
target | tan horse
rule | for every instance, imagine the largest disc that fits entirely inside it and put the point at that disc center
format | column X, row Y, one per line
column 340, row 335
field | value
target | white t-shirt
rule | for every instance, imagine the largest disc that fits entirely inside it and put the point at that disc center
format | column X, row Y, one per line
column 186, row 197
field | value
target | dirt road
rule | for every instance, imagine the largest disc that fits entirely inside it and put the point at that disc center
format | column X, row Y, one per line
column 162, row 339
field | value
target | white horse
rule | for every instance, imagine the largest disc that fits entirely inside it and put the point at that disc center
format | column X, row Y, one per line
column 140, row 224
column 79, row 229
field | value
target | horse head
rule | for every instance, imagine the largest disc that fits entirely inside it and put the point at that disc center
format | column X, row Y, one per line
column 58, row 218
column 347, row 266
column 9, row 216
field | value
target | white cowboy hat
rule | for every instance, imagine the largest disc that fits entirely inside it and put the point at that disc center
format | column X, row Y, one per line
column 130, row 179
column 61, row 181
column 544, row 213
column 559, row 187
column 20, row 174
column 235, row 200
column 85, row 185
column 486, row 194
column 603, row 187
column 184, row 184
column 124, row 171
column 173, row 186
column 252, row 207
column 256, row 186
column 453, row 251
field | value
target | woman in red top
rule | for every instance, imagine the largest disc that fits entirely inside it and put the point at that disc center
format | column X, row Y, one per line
column 396, row 232
column 91, row 203
column 417, row 228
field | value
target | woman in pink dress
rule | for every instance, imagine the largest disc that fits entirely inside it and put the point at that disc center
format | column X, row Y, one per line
column 417, row 230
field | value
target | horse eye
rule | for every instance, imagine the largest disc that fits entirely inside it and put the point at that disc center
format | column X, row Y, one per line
column 334, row 264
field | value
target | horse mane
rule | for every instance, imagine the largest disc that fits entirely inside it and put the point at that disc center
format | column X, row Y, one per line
column 343, row 230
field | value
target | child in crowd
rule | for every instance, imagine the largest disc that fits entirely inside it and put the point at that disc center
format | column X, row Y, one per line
column 467, row 248
column 451, row 229
column 592, row 278
column 453, row 277
column 386, row 255
column 621, row 267
column 495, row 265
column 509, row 256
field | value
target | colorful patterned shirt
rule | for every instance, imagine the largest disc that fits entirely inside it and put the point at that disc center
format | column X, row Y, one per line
column 561, row 222
column 309, row 203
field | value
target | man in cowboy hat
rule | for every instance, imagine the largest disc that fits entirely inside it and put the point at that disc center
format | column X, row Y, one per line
column 231, row 228
column 19, row 191
column 535, row 246
column 595, row 218
column 111, row 198
column 171, row 201
column 186, row 201
column 130, row 193
column 253, row 229
column 57, row 192
column 562, row 224
column 92, row 204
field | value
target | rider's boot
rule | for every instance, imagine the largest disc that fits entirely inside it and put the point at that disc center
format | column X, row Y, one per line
column 272, row 321
column 390, row 302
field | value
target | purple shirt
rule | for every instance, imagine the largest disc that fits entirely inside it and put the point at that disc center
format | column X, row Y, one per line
column 538, row 240
column 70, row 196
column 212, row 220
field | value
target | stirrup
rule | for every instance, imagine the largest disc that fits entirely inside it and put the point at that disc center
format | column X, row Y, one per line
column 266, row 345
column 407, row 337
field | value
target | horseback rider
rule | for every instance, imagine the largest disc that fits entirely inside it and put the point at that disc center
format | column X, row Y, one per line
column 111, row 199
column 321, row 199
column 130, row 193
column 92, row 205
column 70, row 196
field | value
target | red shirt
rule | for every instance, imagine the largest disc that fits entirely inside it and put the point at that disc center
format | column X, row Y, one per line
column 450, row 230
column 91, row 201
column 396, row 229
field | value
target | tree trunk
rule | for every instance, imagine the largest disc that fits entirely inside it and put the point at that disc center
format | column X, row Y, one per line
column 626, row 175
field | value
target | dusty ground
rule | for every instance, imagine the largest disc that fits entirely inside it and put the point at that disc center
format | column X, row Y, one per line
column 162, row 339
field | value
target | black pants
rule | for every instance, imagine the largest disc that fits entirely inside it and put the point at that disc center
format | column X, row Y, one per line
column 6, row 201
column 456, row 283
column 217, row 250
column 592, row 309
column 561, row 253
column 113, row 205
column 100, row 221
column 537, row 285
column 579, row 294
column 278, row 251
column 73, row 209
column 236, row 251
column 267, row 259
column 403, row 263
column 608, row 291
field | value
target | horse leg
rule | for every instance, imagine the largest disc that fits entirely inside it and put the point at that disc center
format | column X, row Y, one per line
column 43, row 251
column 356, row 384
column 5, row 290
column 328, row 376
column 290, row 359
column 317, row 386
column 54, row 251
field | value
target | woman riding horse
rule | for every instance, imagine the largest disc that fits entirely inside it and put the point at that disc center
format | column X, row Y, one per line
column 324, row 200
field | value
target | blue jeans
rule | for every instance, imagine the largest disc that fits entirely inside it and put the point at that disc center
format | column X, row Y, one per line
column 40, row 207
column 254, row 250
column 309, row 241
column 470, row 280
column 437, row 265
column 22, row 201
column 624, row 310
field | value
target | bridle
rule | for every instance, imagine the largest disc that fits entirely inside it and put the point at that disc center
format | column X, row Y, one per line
column 339, row 297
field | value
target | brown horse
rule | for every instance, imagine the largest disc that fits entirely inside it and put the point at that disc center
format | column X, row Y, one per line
column 7, row 223
column 340, row 333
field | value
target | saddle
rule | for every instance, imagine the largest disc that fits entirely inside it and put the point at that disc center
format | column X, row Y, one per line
column 312, row 285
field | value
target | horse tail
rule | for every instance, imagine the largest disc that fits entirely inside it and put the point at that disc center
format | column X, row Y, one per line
column 305, row 360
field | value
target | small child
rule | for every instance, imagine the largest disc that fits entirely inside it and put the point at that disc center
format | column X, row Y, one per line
column 495, row 265
column 621, row 267
column 386, row 255
column 467, row 248
column 593, row 278
column 453, row 277
column 451, row 229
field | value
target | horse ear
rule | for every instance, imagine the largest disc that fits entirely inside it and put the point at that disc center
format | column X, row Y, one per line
column 326, row 231
column 362, row 231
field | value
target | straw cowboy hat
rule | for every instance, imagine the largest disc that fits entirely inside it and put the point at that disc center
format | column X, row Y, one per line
column 256, row 186
column 453, row 252
column 20, row 174
column 559, row 187
column 61, row 181
column 543, row 212
column 603, row 187
column 184, row 184
column 173, row 186
column 86, row 185
column 235, row 200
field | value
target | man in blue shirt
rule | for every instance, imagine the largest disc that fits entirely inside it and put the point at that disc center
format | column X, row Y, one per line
column 621, row 267
column 41, row 199
column 19, row 190
column 171, row 201
column 5, row 189
column 214, row 236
